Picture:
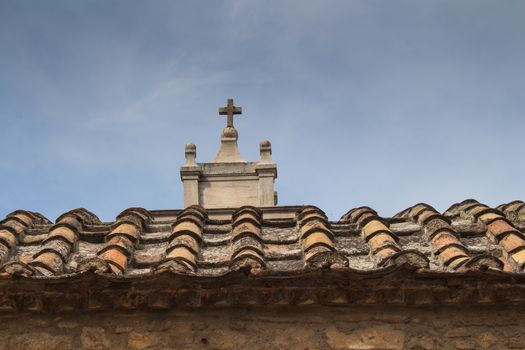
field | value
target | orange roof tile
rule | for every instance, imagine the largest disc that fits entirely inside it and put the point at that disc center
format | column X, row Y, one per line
column 180, row 249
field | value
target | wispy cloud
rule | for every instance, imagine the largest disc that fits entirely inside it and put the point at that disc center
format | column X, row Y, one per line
column 366, row 102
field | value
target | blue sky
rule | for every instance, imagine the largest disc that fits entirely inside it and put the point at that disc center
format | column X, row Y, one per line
column 379, row 103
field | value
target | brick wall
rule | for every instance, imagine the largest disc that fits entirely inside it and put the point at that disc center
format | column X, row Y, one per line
column 287, row 328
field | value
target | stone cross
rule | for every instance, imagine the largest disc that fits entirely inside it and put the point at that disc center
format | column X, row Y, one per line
column 230, row 110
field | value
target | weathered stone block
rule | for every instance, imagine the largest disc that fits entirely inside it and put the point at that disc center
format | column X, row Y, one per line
column 379, row 337
column 40, row 341
column 138, row 340
column 94, row 338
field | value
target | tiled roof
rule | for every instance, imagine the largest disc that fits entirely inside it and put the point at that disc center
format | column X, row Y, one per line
column 187, row 250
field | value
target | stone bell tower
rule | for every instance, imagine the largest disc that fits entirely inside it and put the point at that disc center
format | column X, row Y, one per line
column 229, row 181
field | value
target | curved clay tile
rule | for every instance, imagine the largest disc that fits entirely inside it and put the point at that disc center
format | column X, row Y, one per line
column 185, row 240
column 247, row 245
column 123, row 238
column 499, row 229
column 514, row 211
column 84, row 216
column 382, row 242
column 317, row 239
column 445, row 245
column 14, row 225
column 455, row 209
column 62, row 237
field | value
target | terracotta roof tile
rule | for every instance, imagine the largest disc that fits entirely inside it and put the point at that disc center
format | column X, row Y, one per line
column 184, row 245
column 383, row 243
column 203, row 246
column 444, row 240
column 317, row 239
column 498, row 228
column 247, row 246
column 196, row 244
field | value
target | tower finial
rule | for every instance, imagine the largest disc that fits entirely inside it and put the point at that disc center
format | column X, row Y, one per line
column 230, row 110
column 190, row 152
column 229, row 152
column 266, row 151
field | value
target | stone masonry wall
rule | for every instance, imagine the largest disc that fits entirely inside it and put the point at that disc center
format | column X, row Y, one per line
column 287, row 328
